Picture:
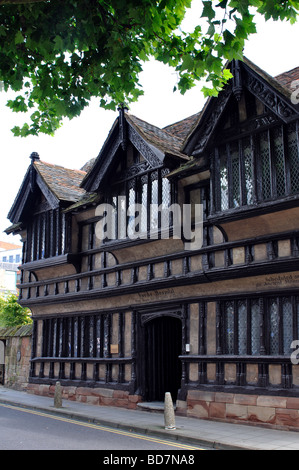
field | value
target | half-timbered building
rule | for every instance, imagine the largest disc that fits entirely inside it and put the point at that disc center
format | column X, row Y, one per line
column 122, row 320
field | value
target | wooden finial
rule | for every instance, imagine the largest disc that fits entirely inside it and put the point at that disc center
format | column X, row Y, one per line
column 34, row 156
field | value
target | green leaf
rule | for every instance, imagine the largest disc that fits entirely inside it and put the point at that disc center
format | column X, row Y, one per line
column 70, row 52
column 12, row 313
column 208, row 10
column 187, row 63
column 19, row 38
column 58, row 43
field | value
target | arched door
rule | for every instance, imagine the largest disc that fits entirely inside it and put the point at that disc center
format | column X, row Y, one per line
column 162, row 366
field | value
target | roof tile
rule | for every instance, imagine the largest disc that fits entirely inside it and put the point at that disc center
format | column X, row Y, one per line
column 286, row 78
column 162, row 139
column 63, row 182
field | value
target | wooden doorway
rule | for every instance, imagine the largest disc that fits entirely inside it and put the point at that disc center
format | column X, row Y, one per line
column 162, row 366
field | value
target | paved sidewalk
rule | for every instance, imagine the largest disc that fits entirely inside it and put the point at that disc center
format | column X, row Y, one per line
column 217, row 435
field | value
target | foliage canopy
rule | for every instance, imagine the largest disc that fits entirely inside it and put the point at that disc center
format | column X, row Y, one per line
column 58, row 55
column 11, row 312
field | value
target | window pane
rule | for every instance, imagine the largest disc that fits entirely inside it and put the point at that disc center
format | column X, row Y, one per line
column 293, row 156
column 265, row 165
column 60, row 336
column 255, row 328
column 114, row 222
column 242, row 328
column 91, row 345
column 274, row 324
column 54, row 338
column 144, row 208
column 154, row 207
column 278, row 156
column 248, row 170
column 165, row 202
column 235, row 168
column 131, row 221
column 229, row 327
column 76, row 350
column 99, row 336
column 223, row 181
column 82, row 339
column 287, row 312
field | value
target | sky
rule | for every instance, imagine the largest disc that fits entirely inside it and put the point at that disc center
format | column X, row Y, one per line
column 274, row 49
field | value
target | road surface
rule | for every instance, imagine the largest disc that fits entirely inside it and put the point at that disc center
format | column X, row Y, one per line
column 27, row 429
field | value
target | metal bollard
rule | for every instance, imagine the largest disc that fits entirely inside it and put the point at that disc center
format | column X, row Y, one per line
column 58, row 395
column 169, row 418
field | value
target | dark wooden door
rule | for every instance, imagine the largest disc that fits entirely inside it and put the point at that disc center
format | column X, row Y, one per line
column 163, row 345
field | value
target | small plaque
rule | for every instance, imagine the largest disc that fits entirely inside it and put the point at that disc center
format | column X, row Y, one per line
column 114, row 348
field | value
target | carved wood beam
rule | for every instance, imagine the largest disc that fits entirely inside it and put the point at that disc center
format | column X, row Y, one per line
column 275, row 101
column 208, row 123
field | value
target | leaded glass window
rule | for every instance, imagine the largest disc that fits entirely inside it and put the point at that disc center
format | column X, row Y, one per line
column 248, row 168
column 235, row 175
column 255, row 335
column 229, row 327
column 265, row 165
column 148, row 193
column 287, row 312
column 247, row 322
column 259, row 168
column 242, row 328
column 274, row 326
column 279, row 161
column 224, row 182
column 144, row 196
column 293, row 154
column 154, row 205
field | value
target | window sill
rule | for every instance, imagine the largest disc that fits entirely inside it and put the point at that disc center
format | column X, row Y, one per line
column 255, row 209
column 50, row 262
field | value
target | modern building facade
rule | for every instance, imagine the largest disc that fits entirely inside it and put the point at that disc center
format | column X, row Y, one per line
column 124, row 319
column 10, row 260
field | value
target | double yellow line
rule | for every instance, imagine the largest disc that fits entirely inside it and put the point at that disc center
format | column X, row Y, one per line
column 175, row 444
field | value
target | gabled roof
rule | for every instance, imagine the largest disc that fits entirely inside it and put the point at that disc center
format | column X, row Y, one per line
column 274, row 92
column 154, row 144
column 55, row 182
column 168, row 142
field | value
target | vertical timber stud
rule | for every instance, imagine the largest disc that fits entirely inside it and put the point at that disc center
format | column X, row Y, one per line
column 123, row 127
column 185, row 369
column 33, row 348
column 133, row 350
column 202, row 366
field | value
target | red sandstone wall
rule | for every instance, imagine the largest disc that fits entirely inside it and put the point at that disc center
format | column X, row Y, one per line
column 278, row 412
column 92, row 396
